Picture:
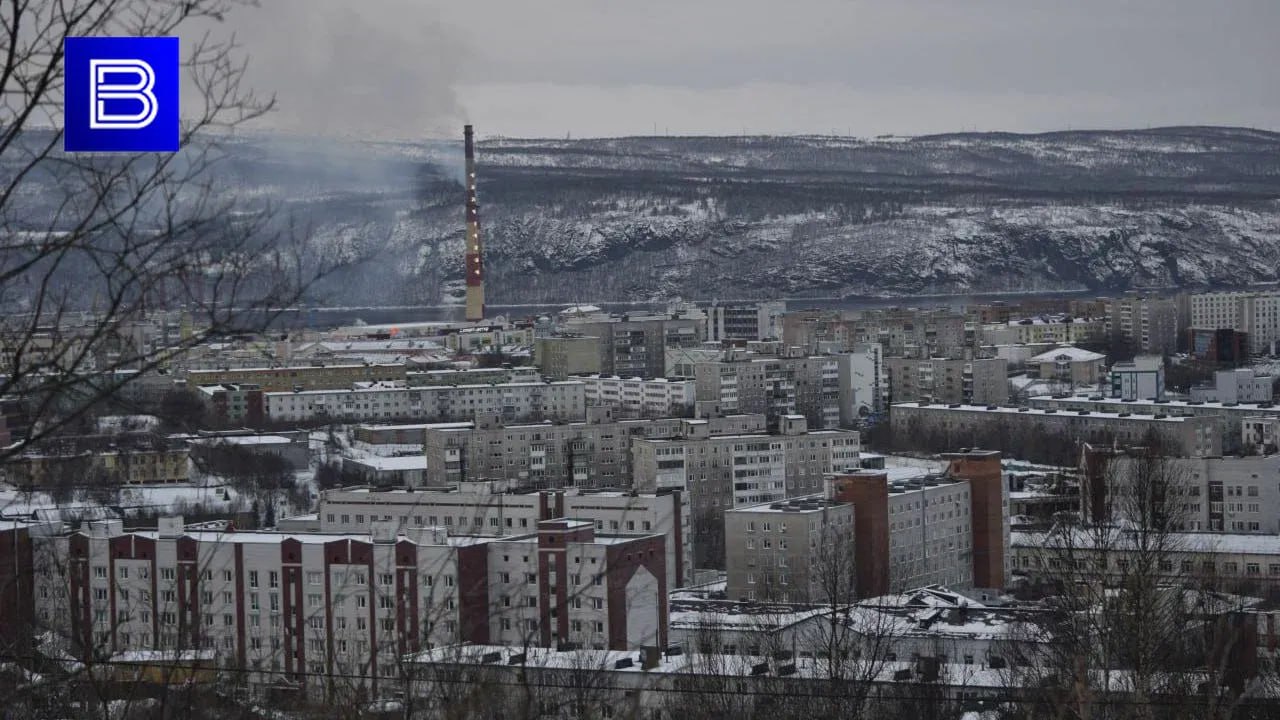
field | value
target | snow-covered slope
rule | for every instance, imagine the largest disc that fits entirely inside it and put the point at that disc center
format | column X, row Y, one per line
column 648, row 218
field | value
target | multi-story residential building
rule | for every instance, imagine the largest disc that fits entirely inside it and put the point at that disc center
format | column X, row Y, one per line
column 1070, row 365
column 640, row 398
column 306, row 608
column 636, row 344
column 745, row 321
column 123, row 458
column 1260, row 434
column 1257, row 314
column 1139, row 379
column 958, row 425
column 305, row 377
column 474, row 376
column 1235, row 386
column 949, row 528
column 565, row 354
column 951, row 380
column 1218, row 494
column 1149, row 323
column 1232, row 562
column 520, row 401
column 494, row 508
column 1226, row 418
column 228, row 403
column 775, row 386
column 727, row 471
column 792, row 551
column 1053, row 329
column 934, row 330
column 592, row 453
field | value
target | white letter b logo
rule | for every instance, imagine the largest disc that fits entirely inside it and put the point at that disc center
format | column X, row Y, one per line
column 140, row 92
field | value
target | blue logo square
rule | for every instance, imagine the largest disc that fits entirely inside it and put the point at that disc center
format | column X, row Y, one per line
column 121, row 94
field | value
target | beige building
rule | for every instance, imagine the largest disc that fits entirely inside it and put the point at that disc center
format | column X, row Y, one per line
column 1254, row 313
column 775, row 386
column 720, row 472
column 562, row 355
column 303, row 377
column 1053, row 329
column 950, row 380
column 593, row 453
column 793, row 551
column 128, row 459
column 1071, row 366
column 636, row 344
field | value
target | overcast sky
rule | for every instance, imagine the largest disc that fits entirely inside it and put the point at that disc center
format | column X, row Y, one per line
column 419, row 68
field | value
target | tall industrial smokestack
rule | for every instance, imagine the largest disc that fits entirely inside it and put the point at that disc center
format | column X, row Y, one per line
column 475, row 266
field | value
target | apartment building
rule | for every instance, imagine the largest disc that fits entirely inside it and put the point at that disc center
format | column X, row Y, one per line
column 950, row 380
column 305, row 608
column 74, row 460
column 493, row 508
column 936, row 529
column 1248, row 564
column 1256, row 314
column 518, row 401
column 719, row 472
column 793, row 551
column 303, row 377
column 1053, row 329
column 965, row 425
column 473, row 376
column 592, row 453
column 640, row 398
column 1227, row 418
column 775, row 386
column 563, row 354
column 934, row 330
column 1149, row 323
column 745, row 321
column 1217, row 494
column 636, row 344
column 233, row 404
column 1241, row 385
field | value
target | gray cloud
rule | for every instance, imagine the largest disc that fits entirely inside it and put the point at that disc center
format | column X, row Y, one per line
column 398, row 68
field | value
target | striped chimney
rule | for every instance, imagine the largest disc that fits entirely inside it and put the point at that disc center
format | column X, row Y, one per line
column 475, row 266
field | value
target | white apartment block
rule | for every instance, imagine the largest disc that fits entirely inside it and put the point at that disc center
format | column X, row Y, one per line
column 309, row 608
column 490, row 509
column 636, row 397
column 559, row 400
column 1257, row 314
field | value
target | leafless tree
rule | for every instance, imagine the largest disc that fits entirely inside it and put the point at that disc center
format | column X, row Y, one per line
column 1126, row 638
column 92, row 245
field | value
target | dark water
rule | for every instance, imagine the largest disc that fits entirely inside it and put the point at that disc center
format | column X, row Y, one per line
column 327, row 317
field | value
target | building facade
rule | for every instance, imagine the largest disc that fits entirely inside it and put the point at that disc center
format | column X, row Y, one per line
column 639, row 398
column 522, row 401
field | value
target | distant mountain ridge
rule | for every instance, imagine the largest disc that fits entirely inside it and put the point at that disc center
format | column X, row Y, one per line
column 648, row 218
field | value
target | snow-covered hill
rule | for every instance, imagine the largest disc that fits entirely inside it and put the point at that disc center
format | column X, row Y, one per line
column 649, row 218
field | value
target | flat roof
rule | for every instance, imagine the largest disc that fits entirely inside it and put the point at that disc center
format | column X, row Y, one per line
column 1265, row 408
column 1042, row 411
